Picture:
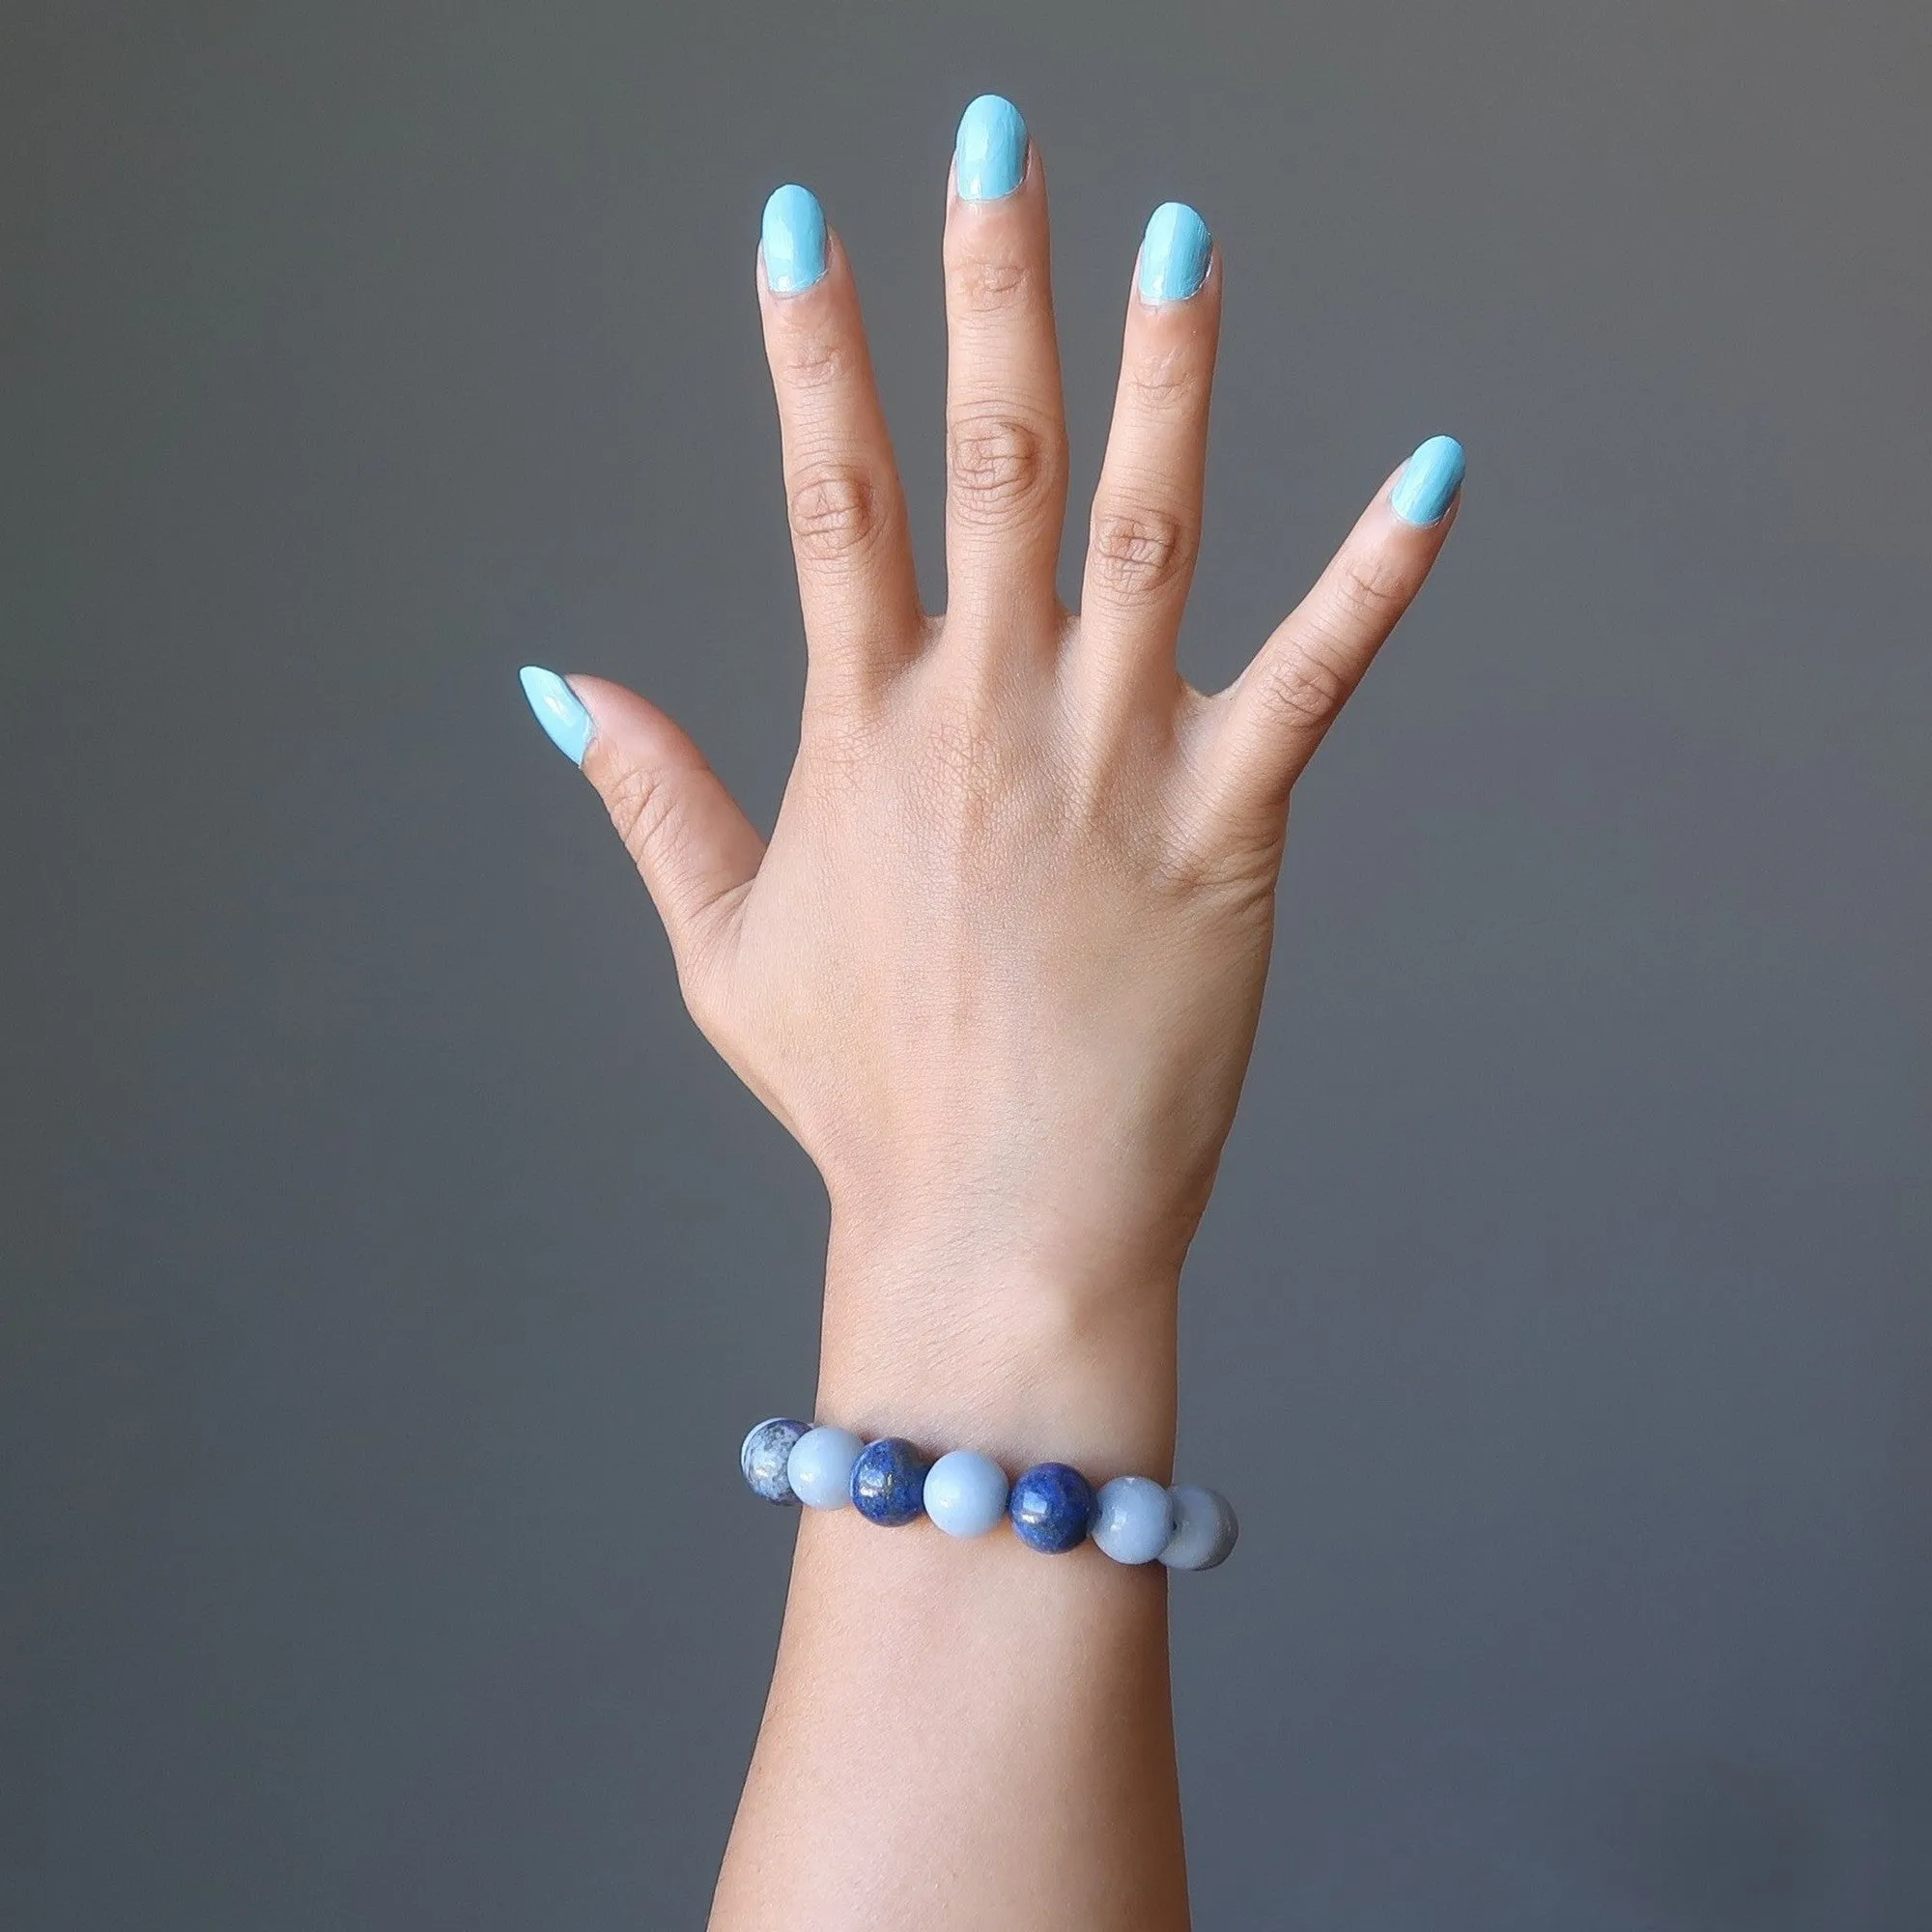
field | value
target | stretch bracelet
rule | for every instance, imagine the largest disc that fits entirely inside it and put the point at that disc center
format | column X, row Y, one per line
column 1052, row 1507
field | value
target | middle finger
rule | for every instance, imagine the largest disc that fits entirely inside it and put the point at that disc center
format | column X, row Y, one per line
column 1006, row 430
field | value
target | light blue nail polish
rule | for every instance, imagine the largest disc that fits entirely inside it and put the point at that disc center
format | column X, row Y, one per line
column 989, row 154
column 1175, row 253
column 559, row 711
column 1429, row 482
column 794, row 236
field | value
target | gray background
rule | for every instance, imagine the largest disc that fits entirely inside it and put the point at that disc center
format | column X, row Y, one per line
column 390, row 1269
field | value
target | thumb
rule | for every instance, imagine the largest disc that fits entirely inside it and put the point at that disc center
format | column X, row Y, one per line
column 692, row 844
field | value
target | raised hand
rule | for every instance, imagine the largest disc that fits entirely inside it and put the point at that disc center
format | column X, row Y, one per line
column 997, row 968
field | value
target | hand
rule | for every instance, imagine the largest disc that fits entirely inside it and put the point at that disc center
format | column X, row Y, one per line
column 998, row 968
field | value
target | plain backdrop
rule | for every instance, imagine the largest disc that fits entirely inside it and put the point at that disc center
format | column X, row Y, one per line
column 389, row 1268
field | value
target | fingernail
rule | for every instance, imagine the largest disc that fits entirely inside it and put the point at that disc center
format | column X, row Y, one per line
column 559, row 711
column 1429, row 482
column 989, row 154
column 794, row 236
column 1175, row 253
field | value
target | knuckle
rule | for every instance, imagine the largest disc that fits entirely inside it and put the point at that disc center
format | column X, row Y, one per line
column 997, row 467
column 1164, row 380
column 834, row 510
column 964, row 746
column 1304, row 689
column 1371, row 590
column 1237, row 864
column 1134, row 553
column 642, row 807
column 845, row 739
column 966, row 757
column 814, row 358
column 985, row 285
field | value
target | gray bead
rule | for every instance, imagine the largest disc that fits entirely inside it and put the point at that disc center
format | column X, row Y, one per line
column 819, row 1469
column 1204, row 1529
column 764, row 1455
column 966, row 1493
column 1136, row 1518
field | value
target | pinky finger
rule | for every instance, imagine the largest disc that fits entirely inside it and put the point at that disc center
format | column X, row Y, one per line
column 1280, row 708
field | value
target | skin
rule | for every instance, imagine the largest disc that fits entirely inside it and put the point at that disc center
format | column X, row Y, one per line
column 997, row 969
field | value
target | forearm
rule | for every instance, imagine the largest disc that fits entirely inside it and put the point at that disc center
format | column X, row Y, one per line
column 965, row 1732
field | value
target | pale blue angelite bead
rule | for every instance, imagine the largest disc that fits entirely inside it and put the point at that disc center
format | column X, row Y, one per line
column 819, row 1467
column 1135, row 1519
column 1204, row 1529
column 966, row 1493
column 765, row 1455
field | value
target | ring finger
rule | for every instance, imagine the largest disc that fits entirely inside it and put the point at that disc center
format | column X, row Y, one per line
column 1146, row 528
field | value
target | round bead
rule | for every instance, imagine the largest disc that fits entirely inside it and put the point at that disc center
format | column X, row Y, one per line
column 819, row 1467
column 1052, row 1508
column 764, row 1455
column 888, row 1481
column 965, row 1492
column 1134, row 1519
column 1204, row 1529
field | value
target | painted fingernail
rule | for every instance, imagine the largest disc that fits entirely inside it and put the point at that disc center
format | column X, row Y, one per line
column 989, row 154
column 1175, row 252
column 559, row 711
column 1429, row 482
column 794, row 238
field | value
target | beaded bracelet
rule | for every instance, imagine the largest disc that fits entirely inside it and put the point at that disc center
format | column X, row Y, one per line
column 1052, row 1507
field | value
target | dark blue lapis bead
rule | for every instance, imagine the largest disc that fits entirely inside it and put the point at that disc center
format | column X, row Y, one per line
column 1053, row 1508
column 888, row 1481
column 764, row 1455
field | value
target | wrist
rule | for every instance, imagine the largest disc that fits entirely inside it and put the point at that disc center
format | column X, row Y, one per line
column 977, row 1342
